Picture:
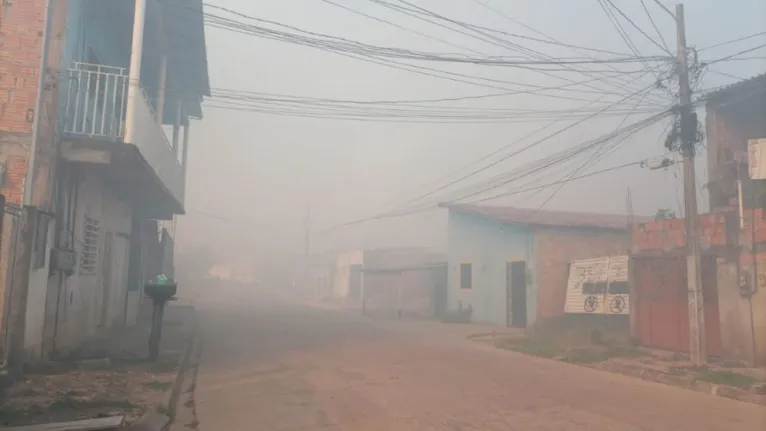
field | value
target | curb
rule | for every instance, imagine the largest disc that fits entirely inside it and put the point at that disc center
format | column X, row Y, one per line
column 188, row 412
column 161, row 421
column 183, row 367
column 669, row 379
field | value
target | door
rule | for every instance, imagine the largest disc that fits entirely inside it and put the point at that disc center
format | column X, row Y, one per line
column 516, row 294
column 114, row 280
column 663, row 313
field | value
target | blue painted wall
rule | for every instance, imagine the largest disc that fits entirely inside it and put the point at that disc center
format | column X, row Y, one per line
column 488, row 245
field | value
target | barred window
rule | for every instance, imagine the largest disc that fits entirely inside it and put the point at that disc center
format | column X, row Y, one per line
column 89, row 257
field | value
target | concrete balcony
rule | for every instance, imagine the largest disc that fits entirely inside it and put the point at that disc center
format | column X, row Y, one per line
column 93, row 124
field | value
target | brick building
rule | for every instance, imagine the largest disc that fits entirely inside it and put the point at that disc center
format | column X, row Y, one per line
column 106, row 174
column 732, row 238
column 510, row 266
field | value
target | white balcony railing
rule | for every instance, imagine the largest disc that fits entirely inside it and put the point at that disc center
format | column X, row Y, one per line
column 96, row 103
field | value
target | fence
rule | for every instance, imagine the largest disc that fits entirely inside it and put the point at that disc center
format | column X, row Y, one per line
column 8, row 245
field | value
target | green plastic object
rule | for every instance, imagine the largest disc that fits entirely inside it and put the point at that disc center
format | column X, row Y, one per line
column 162, row 280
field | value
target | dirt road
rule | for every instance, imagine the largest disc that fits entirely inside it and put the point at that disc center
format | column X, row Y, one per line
column 276, row 366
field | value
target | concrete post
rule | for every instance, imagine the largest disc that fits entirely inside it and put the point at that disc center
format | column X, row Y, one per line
column 633, row 298
column 17, row 307
column 161, row 90
column 696, row 303
column 134, row 77
column 177, row 126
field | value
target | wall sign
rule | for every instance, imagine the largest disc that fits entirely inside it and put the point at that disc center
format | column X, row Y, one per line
column 598, row 286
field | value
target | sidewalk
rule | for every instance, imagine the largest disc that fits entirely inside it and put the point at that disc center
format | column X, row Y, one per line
column 726, row 380
column 611, row 349
column 105, row 378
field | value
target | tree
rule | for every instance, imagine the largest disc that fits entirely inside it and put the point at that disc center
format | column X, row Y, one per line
column 665, row 214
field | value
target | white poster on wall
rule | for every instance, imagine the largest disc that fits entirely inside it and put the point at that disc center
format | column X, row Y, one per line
column 598, row 286
column 756, row 158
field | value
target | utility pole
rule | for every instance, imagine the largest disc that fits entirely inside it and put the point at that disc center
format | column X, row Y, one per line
column 17, row 307
column 697, row 338
column 29, row 180
column 306, row 251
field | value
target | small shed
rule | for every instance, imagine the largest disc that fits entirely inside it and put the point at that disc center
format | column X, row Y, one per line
column 510, row 266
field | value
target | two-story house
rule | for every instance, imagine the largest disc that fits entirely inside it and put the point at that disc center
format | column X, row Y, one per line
column 123, row 80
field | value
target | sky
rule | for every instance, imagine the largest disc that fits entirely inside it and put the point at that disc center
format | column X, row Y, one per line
column 256, row 178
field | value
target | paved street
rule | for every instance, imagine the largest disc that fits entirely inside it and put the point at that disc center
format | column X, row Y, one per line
column 276, row 366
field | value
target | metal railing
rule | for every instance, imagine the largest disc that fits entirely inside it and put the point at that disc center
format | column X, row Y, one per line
column 95, row 100
column 96, row 104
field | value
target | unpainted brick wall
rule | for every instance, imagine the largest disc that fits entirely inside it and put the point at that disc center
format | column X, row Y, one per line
column 13, row 154
column 21, row 37
column 555, row 248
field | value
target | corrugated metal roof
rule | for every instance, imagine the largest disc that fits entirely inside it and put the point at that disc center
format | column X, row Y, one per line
column 756, row 83
column 184, row 24
column 535, row 217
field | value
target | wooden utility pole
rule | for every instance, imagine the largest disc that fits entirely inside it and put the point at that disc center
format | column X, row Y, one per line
column 697, row 338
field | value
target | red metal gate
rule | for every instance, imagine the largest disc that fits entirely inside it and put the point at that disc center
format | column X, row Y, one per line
column 662, row 304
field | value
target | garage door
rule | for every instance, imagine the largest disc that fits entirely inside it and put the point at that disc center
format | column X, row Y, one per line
column 663, row 314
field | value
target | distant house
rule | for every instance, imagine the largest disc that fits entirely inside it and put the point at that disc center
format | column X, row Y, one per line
column 347, row 276
column 510, row 266
column 404, row 282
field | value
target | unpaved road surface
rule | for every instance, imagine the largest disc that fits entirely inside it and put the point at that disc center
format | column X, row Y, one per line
column 274, row 365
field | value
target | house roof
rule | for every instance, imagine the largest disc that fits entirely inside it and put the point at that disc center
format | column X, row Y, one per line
column 397, row 269
column 747, row 86
column 533, row 217
column 185, row 27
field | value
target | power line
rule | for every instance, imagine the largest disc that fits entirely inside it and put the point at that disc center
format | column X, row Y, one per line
column 402, row 110
column 729, row 57
column 532, row 168
column 355, row 49
column 219, row 217
column 549, row 40
column 620, row 30
column 388, row 118
column 368, row 57
column 593, row 157
column 513, row 46
column 640, row 30
column 555, row 183
column 506, row 157
column 515, row 192
column 626, row 84
column 740, row 39
column 659, row 3
column 352, row 10
column 345, row 45
column 630, row 130
column 656, row 29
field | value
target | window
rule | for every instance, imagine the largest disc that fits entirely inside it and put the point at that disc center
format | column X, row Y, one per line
column 466, row 276
column 89, row 257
